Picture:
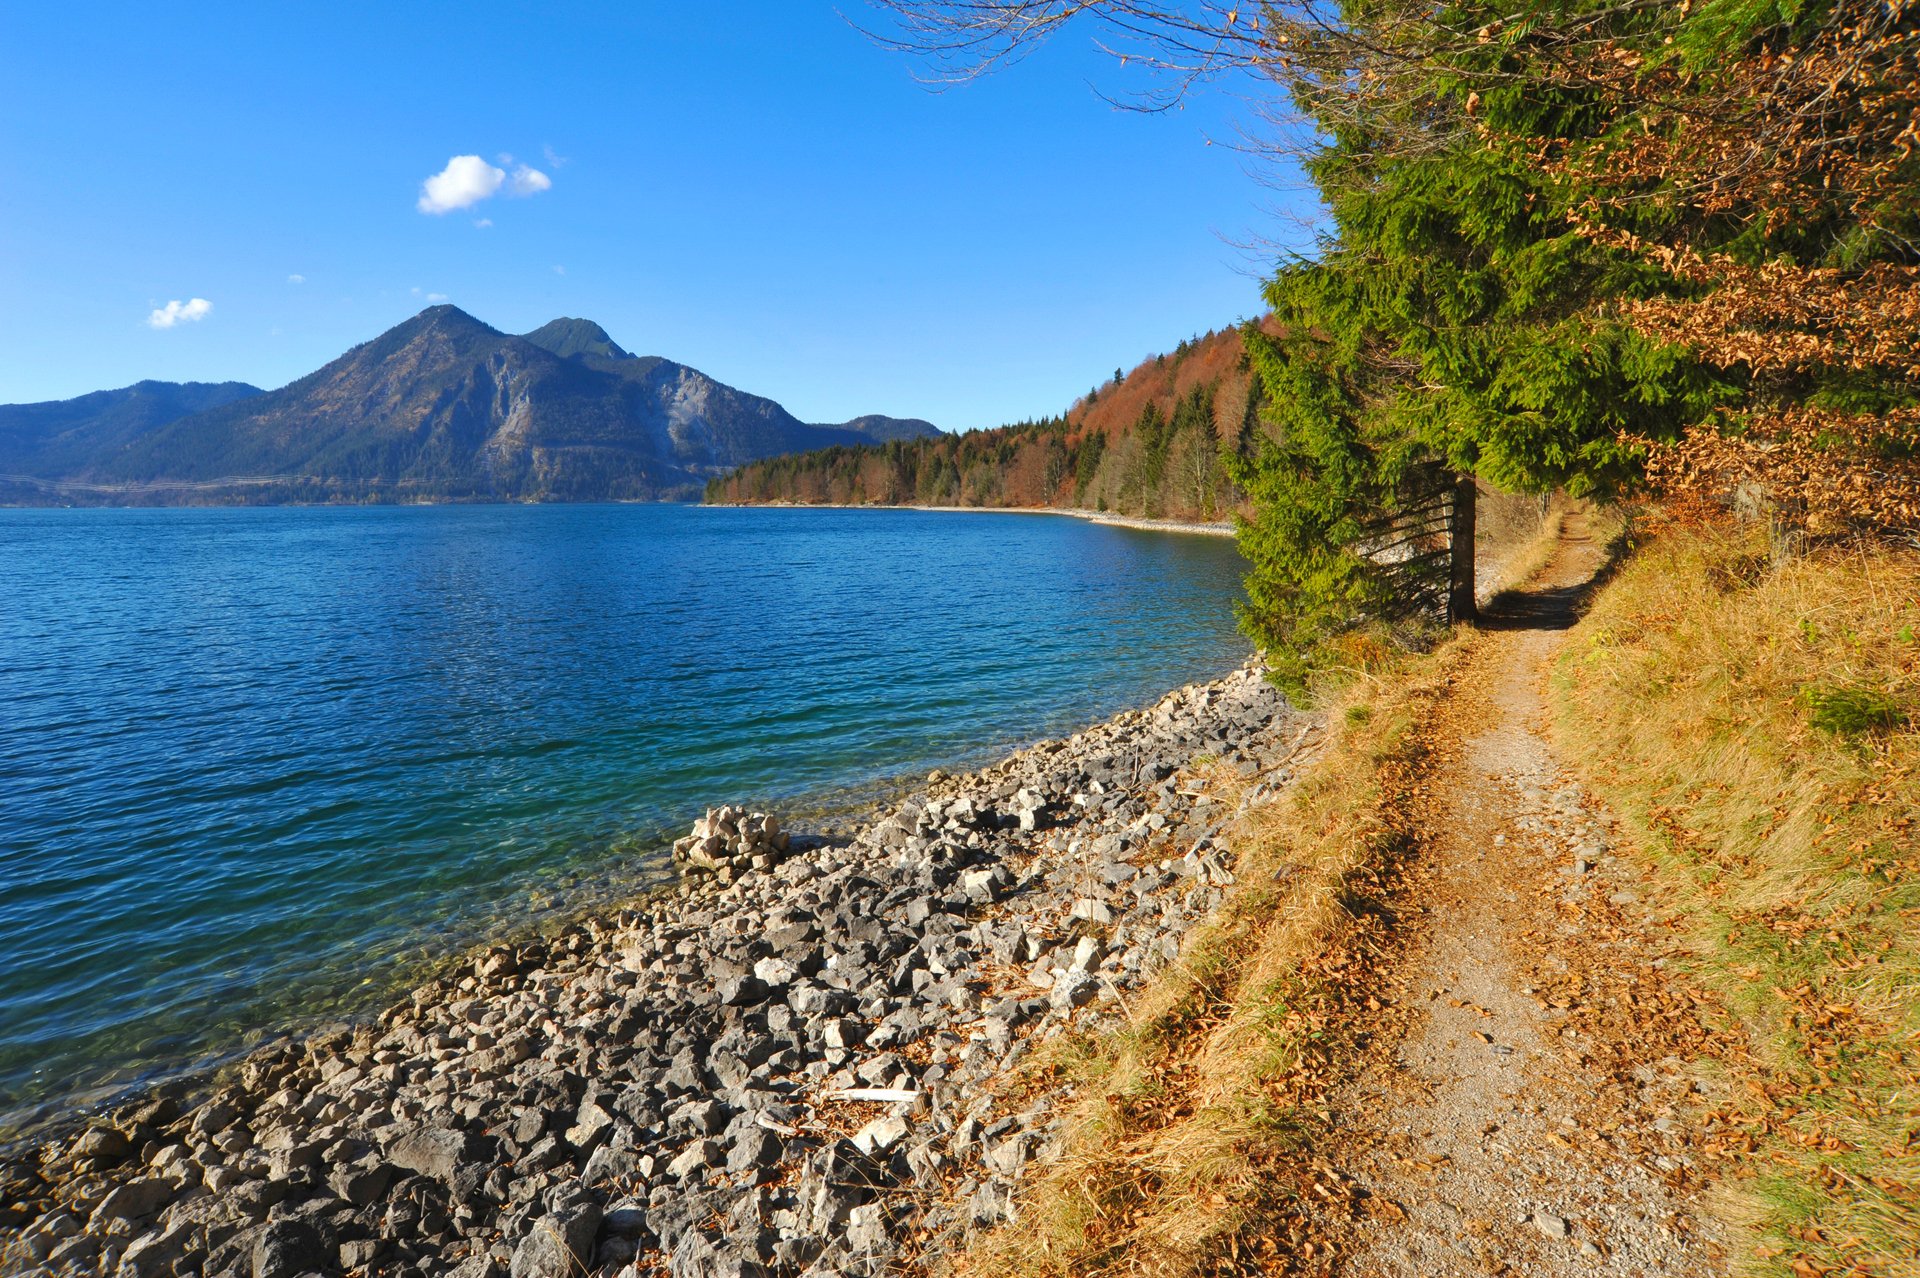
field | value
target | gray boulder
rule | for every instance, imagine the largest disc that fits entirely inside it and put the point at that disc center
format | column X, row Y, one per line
column 558, row 1245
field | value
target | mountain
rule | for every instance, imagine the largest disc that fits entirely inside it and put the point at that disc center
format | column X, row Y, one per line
column 445, row 407
column 58, row 436
column 568, row 338
column 881, row 429
column 1149, row 443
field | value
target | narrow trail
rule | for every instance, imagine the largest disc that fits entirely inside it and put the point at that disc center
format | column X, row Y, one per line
column 1520, row 1109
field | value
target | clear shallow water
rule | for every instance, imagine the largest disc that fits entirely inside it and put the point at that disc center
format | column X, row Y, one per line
column 256, row 764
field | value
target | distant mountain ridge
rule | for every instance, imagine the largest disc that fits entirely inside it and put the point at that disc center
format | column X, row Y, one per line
column 440, row 407
column 58, row 436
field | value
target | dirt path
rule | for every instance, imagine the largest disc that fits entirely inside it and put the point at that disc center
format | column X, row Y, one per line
column 1522, row 1108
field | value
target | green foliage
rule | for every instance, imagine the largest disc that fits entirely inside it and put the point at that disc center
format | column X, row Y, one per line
column 1087, row 465
column 1455, row 319
column 1852, row 711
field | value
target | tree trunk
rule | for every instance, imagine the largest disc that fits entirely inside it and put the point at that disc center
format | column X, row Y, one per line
column 1461, row 606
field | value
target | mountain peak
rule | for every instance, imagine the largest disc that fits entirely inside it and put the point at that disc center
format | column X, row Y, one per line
column 446, row 315
column 441, row 406
column 568, row 338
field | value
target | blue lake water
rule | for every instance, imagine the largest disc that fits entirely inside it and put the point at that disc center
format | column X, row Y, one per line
column 256, row 765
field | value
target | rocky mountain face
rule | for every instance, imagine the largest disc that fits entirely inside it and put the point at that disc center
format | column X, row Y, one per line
column 443, row 407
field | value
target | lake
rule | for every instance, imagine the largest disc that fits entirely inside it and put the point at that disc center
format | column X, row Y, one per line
column 258, row 766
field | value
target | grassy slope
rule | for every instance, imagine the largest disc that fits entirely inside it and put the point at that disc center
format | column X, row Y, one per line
column 1759, row 729
column 1186, row 1153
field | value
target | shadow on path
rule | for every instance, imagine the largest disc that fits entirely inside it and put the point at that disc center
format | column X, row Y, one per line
column 1557, row 602
column 1542, row 608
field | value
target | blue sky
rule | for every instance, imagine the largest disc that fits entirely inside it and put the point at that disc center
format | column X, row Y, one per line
column 754, row 189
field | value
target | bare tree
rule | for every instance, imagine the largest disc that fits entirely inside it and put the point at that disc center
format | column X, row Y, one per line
column 1322, row 67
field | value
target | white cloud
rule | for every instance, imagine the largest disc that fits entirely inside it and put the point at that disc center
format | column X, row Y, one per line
column 484, row 223
column 432, row 299
column 296, row 279
column 468, row 179
column 178, row 312
column 559, row 270
column 554, row 159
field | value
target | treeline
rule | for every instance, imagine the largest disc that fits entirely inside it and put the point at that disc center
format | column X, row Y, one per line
column 1156, row 443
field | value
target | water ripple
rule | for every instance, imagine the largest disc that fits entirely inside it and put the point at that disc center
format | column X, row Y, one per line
column 254, row 763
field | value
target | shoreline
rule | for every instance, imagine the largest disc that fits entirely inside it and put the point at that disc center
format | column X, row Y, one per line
column 1106, row 518
column 833, row 811
column 820, row 1038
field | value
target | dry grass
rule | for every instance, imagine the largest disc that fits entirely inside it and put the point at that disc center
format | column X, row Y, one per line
column 1759, row 727
column 1516, row 537
column 1187, row 1145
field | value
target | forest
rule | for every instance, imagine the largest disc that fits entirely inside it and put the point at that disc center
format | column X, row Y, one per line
column 1156, row 443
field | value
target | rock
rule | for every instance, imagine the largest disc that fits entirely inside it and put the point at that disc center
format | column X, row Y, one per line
column 881, row 1135
column 287, row 1249
column 702, row 1153
column 756, row 1150
column 843, row 1034
column 707, row 1117
column 135, row 1199
column 361, row 1185
column 103, row 1145
column 979, row 885
column 1072, row 990
column 1089, row 910
column 1550, row 1225
column 150, row 1254
column 362, row 1253
column 76, row 1252
column 480, row 1266
column 436, row 1151
column 867, row 1228
column 292, row 1157
column 609, row 1162
column 744, row 990
column 775, row 973
column 592, row 1124
column 628, row 1219
column 558, row 1245
column 728, row 841
column 1009, row 1157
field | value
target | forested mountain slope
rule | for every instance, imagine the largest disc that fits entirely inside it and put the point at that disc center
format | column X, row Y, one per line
column 1149, row 442
column 58, row 436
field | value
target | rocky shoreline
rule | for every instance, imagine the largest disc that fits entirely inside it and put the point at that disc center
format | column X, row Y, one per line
column 791, row 1066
